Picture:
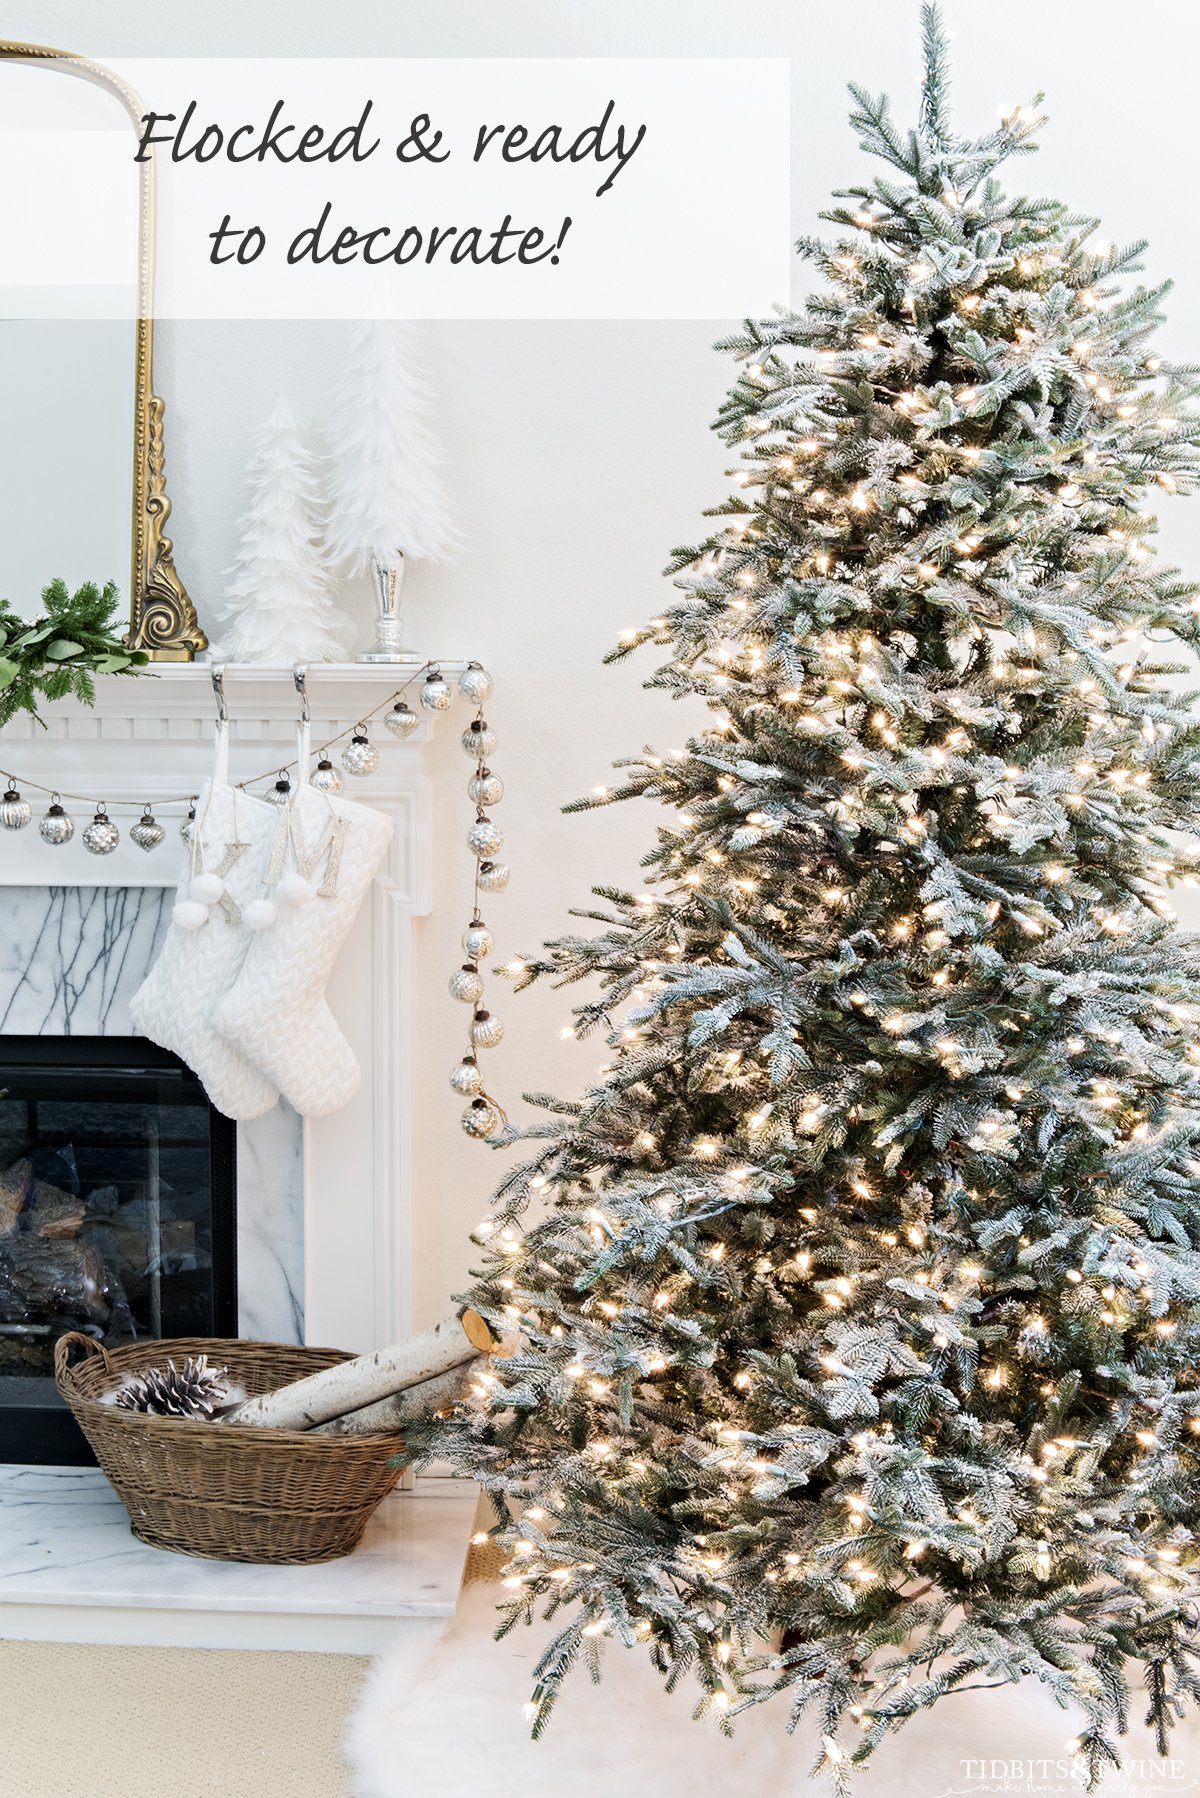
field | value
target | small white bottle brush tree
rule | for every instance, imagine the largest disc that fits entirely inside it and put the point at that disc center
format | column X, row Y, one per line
column 279, row 606
column 387, row 500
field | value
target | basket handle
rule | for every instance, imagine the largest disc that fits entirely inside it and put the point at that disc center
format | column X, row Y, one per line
column 77, row 1339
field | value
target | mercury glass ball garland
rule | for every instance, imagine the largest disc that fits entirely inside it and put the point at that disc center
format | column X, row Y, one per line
column 15, row 812
column 493, row 877
column 477, row 940
column 402, row 721
column 475, row 684
column 466, row 1079
column 56, row 827
column 486, row 1031
column 325, row 777
column 101, row 836
column 436, row 695
column 479, row 740
column 360, row 755
column 147, row 833
column 483, row 1118
column 485, row 788
column 466, row 984
column 484, row 837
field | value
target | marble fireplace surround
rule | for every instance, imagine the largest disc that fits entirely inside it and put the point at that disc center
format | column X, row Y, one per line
column 324, row 1205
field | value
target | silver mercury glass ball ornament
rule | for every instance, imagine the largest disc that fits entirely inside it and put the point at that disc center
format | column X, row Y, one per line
column 466, row 984
column 481, row 1118
column 402, row 721
column 477, row 940
column 466, row 1078
column 492, row 877
column 486, row 1031
column 56, row 827
column 360, row 756
column 15, row 812
column 101, row 836
column 485, row 788
column 484, row 837
column 281, row 792
column 147, row 833
column 479, row 740
column 436, row 694
column 189, row 823
column 475, row 684
column 325, row 777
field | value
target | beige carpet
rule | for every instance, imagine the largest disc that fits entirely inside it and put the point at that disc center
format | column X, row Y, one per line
column 79, row 1722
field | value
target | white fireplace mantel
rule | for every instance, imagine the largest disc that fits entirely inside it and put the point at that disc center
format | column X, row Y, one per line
column 148, row 739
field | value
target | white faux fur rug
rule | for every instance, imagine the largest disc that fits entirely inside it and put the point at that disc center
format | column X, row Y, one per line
column 442, row 1713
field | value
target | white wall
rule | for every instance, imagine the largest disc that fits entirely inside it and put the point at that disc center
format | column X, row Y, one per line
column 580, row 452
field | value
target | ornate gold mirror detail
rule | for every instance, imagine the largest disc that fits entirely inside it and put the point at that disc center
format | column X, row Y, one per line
column 70, row 414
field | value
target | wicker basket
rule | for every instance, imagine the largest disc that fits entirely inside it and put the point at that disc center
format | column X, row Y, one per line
column 236, row 1494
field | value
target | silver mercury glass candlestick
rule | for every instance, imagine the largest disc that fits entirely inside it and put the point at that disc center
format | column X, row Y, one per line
column 389, row 636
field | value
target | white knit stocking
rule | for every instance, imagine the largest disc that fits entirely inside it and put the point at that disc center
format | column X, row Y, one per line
column 207, row 943
column 324, row 855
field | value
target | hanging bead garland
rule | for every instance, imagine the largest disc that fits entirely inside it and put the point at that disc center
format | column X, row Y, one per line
column 359, row 757
column 147, row 833
column 325, row 777
column 101, row 836
column 15, row 812
column 483, row 1116
column 56, row 827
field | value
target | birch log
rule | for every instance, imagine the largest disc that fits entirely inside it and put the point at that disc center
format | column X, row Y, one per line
column 393, row 1412
column 352, row 1384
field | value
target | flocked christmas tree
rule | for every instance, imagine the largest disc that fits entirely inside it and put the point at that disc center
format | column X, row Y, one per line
column 278, row 606
column 859, row 1292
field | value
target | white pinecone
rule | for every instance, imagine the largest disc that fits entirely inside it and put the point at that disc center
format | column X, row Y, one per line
column 193, row 1390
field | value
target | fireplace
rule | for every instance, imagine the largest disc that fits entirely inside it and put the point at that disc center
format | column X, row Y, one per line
column 324, row 1225
column 117, row 1217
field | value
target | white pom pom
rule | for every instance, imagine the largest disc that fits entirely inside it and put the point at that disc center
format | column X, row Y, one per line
column 207, row 888
column 293, row 889
column 189, row 914
column 260, row 914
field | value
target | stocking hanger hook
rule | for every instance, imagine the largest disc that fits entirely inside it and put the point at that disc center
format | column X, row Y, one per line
column 300, row 676
column 218, row 685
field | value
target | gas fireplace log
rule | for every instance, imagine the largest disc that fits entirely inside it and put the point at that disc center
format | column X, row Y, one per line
column 15, row 1184
column 55, row 1214
column 351, row 1385
column 393, row 1412
column 54, row 1277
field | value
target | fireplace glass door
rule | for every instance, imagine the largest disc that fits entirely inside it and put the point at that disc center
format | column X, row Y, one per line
column 117, row 1217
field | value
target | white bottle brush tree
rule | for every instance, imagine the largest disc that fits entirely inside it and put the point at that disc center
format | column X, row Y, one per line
column 279, row 607
column 860, row 1292
column 387, row 498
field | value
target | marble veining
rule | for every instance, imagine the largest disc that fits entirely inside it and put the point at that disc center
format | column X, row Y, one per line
column 271, row 1226
column 65, row 1540
column 71, row 957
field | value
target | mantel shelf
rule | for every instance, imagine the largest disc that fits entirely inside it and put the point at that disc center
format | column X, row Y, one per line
column 174, row 700
column 355, row 674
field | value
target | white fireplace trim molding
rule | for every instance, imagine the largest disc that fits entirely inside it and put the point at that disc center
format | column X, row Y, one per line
column 149, row 739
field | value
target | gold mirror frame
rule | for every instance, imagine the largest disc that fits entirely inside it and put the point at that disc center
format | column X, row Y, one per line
column 162, row 619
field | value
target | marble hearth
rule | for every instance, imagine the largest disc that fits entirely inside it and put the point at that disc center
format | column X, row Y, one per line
column 71, row 1571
